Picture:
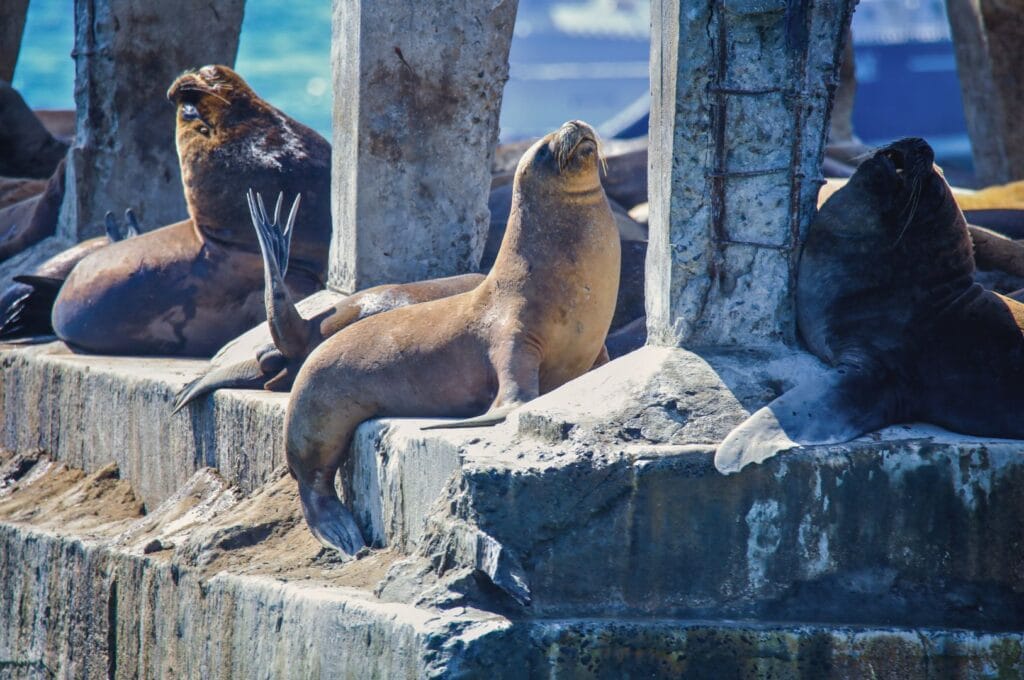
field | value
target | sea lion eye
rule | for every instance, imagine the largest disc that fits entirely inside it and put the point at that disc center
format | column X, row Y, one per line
column 189, row 112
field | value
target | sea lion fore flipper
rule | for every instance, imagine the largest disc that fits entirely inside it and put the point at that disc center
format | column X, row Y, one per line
column 843, row 404
column 518, row 367
column 245, row 375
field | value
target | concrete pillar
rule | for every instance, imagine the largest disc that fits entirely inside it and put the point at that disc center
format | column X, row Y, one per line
column 417, row 92
column 741, row 91
column 127, row 53
column 989, row 39
column 12, row 26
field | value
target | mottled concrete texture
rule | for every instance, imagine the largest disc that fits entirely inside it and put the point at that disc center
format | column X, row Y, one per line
column 12, row 26
column 127, row 53
column 417, row 92
column 740, row 95
column 989, row 39
column 589, row 536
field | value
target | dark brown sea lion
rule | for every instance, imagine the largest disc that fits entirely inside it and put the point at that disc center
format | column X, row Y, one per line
column 188, row 288
column 33, row 219
column 270, row 355
column 538, row 320
column 886, row 296
column 27, row 149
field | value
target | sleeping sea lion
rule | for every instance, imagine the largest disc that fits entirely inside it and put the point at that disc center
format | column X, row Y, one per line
column 26, row 304
column 31, row 220
column 886, row 296
column 538, row 320
column 187, row 288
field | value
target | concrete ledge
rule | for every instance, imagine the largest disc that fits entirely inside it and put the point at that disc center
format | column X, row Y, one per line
column 78, row 609
column 591, row 517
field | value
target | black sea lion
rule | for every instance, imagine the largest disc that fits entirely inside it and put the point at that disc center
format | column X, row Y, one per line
column 538, row 320
column 188, row 288
column 269, row 355
column 886, row 296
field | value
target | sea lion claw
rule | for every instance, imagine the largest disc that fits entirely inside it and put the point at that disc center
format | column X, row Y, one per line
column 132, row 229
column 112, row 227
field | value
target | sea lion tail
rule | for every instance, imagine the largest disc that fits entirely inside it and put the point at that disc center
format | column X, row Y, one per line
column 287, row 327
column 244, row 375
column 330, row 521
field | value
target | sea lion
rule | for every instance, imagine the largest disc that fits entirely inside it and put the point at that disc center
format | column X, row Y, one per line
column 26, row 304
column 27, row 149
column 886, row 296
column 16, row 189
column 32, row 219
column 269, row 355
column 187, row 288
column 538, row 320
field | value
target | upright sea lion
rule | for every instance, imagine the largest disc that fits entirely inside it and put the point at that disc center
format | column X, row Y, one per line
column 538, row 320
column 886, row 297
column 270, row 355
column 188, row 288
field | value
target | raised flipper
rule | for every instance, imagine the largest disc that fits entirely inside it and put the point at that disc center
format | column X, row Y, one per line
column 27, row 306
column 836, row 407
column 290, row 331
column 115, row 232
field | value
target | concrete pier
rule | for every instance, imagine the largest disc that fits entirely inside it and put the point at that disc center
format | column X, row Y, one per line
column 124, row 154
column 988, row 36
column 738, row 125
column 417, row 92
column 12, row 27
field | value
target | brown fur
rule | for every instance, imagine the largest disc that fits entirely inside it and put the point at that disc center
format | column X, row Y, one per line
column 188, row 288
column 538, row 320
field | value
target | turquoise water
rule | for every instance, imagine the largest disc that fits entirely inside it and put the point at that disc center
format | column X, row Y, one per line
column 283, row 52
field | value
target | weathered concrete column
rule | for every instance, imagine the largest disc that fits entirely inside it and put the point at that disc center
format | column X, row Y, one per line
column 127, row 53
column 12, row 26
column 417, row 92
column 741, row 91
column 989, row 39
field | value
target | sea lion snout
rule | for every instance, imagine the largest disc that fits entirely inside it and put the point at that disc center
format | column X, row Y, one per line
column 574, row 141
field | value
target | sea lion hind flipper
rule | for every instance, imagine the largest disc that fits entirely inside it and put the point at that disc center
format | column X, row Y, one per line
column 830, row 409
column 287, row 327
column 330, row 521
column 244, row 375
column 28, row 314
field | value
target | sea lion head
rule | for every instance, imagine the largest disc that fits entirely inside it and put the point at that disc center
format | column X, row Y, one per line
column 893, row 195
column 564, row 160
column 229, row 139
column 210, row 100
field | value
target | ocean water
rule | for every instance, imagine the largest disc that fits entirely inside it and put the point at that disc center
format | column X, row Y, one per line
column 585, row 59
column 284, row 53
